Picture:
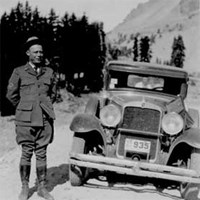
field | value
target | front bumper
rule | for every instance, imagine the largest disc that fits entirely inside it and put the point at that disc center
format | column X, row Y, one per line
column 135, row 168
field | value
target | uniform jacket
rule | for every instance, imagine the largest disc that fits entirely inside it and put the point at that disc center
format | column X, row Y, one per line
column 32, row 94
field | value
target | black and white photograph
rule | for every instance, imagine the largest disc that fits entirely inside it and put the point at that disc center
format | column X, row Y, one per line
column 100, row 99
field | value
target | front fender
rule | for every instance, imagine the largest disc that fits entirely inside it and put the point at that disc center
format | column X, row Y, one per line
column 85, row 123
column 190, row 137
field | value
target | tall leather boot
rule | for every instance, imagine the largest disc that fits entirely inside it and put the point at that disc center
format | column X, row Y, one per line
column 25, row 174
column 41, row 175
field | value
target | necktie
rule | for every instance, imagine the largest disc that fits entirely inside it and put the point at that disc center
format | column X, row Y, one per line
column 37, row 70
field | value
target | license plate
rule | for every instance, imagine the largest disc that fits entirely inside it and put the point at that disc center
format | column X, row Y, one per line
column 137, row 145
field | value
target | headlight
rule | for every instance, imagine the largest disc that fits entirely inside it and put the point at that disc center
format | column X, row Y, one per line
column 110, row 115
column 172, row 123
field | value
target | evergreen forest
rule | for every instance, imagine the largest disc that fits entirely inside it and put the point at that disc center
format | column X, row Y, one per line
column 73, row 46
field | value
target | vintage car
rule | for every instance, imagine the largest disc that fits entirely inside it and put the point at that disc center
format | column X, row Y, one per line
column 139, row 126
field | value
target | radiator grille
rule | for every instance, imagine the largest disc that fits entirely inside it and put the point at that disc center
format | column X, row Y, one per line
column 141, row 119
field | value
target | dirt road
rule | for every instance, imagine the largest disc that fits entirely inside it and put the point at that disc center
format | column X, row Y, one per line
column 58, row 178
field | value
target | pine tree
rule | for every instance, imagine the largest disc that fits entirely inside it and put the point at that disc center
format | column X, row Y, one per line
column 178, row 52
column 135, row 50
column 145, row 50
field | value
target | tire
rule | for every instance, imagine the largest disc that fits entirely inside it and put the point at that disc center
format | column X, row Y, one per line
column 191, row 191
column 76, row 173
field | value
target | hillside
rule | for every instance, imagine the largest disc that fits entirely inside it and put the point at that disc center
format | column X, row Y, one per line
column 163, row 20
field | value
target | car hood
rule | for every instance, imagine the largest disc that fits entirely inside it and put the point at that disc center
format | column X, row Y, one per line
column 128, row 98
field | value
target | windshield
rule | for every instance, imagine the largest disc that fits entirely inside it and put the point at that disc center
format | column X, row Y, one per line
column 168, row 85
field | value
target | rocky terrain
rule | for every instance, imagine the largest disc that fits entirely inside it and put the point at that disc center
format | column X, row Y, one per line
column 162, row 21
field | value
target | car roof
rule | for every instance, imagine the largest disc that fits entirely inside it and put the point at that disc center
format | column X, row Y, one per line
column 147, row 68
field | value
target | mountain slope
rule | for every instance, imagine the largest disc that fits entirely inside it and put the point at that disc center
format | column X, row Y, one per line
column 164, row 19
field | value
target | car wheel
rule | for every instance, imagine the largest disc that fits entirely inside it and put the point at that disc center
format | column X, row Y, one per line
column 76, row 173
column 191, row 191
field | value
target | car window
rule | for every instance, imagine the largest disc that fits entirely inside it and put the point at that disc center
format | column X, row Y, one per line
column 127, row 80
column 145, row 82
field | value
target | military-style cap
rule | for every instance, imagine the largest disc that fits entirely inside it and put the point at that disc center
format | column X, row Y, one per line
column 31, row 41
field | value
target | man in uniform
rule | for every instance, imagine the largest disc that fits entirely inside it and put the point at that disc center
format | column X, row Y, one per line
column 31, row 90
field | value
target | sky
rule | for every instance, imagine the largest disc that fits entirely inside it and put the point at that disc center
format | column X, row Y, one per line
column 110, row 12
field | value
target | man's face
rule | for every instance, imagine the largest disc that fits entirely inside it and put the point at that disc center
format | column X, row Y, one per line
column 35, row 54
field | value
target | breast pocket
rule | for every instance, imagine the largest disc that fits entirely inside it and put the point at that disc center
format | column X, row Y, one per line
column 26, row 80
column 46, row 81
column 27, row 85
column 46, row 84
